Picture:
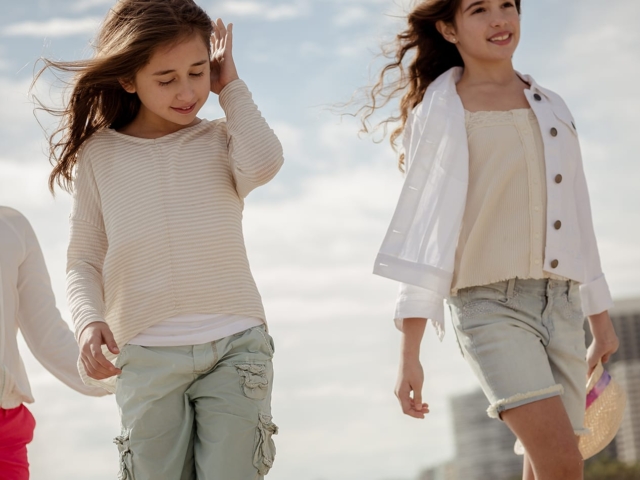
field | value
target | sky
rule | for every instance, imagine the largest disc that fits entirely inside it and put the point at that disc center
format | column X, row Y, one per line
column 312, row 233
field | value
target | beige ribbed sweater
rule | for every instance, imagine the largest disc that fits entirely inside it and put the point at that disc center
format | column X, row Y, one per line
column 156, row 225
column 504, row 224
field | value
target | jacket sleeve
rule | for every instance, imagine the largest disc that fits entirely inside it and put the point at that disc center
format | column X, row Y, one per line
column 46, row 334
column 255, row 153
column 416, row 302
column 594, row 292
column 87, row 251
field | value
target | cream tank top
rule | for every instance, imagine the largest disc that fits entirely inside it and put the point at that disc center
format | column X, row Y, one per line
column 504, row 224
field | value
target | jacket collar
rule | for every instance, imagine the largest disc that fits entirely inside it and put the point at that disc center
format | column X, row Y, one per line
column 446, row 83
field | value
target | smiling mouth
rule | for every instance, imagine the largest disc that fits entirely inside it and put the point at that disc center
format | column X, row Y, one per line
column 184, row 110
column 501, row 39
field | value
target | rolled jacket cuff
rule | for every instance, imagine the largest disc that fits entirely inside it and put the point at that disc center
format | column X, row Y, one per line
column 595, row 296
column 430, row 308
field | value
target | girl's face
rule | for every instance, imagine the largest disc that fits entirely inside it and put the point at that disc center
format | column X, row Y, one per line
column 174, row 85
column 485, row 30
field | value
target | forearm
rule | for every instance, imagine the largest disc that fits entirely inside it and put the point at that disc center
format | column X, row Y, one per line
column 255, row 153
column 601, row 326
column 412, row 333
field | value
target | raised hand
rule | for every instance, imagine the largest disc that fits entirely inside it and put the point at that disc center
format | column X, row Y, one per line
column 223, row 68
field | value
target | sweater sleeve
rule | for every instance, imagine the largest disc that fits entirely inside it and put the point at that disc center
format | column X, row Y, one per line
column 87, row 251
column 255, row 153
column 44, row 330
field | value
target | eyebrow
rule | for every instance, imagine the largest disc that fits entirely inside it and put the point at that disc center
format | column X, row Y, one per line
column 164, row 72
column 474, row 4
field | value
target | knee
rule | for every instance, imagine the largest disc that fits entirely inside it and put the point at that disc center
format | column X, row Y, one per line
column 569, row 466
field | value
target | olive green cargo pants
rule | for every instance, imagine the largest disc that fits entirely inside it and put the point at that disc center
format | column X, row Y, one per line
column 197, row 412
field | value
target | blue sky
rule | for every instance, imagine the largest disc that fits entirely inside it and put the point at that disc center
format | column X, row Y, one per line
column 312, row 234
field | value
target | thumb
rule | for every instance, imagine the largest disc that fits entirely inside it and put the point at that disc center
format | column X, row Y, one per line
column 110, row 341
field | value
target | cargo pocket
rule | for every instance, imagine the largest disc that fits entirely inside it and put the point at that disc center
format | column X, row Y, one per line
column 126, row 468
column 265, row 451
column 253, row 378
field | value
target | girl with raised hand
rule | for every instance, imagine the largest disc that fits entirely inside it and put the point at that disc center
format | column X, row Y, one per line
column 157, row 270
column 494, row 216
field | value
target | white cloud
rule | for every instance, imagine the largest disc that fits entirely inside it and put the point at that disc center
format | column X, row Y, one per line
column 351, row 15
column 268, row 11
column 84, row 5
column 55, row 27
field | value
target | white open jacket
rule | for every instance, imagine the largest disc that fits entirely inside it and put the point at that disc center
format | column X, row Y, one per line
column 420, row 245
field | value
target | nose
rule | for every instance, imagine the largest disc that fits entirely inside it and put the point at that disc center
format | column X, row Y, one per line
column 186, row 92
column 499, row 19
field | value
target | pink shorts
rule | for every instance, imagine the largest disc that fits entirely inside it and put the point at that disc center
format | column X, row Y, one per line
column 16, row 431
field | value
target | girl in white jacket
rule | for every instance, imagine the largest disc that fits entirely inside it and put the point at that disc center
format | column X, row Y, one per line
column 27, row 304
column 494, row 216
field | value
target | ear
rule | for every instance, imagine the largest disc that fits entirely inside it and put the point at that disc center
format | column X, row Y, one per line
column 128, row 85
column 447, row 31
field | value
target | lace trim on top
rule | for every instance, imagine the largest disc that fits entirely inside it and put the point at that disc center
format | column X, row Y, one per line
column 494, row 118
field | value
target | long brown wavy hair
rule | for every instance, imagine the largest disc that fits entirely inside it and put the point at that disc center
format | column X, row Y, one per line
column 132, row 31
column 431, row 55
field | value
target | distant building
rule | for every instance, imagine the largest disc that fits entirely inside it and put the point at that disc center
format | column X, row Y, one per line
column 484, row 446
column 446, row 471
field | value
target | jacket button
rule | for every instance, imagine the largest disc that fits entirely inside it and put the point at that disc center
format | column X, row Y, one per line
column 554, row 132
column 554, row 264
column 537, row 97
column 558, row 178
column 557, row 225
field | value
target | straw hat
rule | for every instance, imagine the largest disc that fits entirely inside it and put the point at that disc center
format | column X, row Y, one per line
column 606, row 402
column 605, row 406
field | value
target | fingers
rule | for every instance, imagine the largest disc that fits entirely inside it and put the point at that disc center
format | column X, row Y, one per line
column 110, row 342
column 230, row 36
column 222, row 35
column 412, row 407
column 95, row 363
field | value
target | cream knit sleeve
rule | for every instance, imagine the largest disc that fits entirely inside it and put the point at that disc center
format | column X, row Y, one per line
column 255, row 153
column 87, row 250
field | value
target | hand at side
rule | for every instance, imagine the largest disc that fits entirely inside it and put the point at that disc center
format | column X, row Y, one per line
column 410, row 374
column 95, row 363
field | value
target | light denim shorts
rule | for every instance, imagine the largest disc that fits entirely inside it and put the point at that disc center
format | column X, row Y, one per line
column 525, row 341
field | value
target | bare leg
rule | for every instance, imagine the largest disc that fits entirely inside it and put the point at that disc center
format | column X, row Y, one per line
column 527, row 469
column 546, row 433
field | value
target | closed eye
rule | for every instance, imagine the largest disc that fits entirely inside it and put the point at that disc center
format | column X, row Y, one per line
column 197, row 74
column 164, row 84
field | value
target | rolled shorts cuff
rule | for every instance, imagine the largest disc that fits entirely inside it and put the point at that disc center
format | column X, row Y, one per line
column 520, row 399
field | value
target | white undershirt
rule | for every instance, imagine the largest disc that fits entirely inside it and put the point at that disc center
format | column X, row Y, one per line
column 193, row 329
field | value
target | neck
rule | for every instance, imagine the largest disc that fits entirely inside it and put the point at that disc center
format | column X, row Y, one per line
column 500, row 73
column 149, row 125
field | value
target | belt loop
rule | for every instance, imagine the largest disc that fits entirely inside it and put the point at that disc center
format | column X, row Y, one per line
column 510, row 287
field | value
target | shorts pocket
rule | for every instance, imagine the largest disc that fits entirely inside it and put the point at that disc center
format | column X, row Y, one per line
column 268, row 340
column 265, row 452
column 253, row 378
column 124, row 450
